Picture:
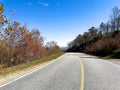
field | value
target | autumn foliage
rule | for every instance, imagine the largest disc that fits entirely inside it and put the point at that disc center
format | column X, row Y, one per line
column 20, row 45
column 101, row 41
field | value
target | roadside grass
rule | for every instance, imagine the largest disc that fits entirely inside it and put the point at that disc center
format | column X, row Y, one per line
column 112, row 56
column 13, row 69
column 107, row 57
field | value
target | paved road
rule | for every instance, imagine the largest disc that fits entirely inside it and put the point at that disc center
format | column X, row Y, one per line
column 71, row 72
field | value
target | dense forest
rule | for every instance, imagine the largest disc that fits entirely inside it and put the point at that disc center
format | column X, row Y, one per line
column 101, row 41
column 19, row 45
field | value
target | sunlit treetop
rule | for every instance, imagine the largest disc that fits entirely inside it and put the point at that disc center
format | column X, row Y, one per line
column 1, row 8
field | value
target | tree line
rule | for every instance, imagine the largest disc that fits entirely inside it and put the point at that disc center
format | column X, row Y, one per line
column 102, row 41
column 19, row 45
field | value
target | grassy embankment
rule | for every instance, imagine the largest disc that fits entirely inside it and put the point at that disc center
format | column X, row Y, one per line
column 13, row 69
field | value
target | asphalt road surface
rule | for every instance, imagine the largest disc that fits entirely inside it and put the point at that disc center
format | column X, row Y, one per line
column 72, row 71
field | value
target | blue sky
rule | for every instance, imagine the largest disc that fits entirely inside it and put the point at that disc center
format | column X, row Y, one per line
column 60, row 20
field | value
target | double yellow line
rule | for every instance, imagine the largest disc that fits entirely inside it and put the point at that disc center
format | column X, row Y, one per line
column 82, row 75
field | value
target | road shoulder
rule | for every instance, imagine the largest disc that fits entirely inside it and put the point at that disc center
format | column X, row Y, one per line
column 115, row 61
column 9, row 77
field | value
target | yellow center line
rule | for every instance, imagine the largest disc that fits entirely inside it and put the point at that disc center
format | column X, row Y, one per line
column 82, row 75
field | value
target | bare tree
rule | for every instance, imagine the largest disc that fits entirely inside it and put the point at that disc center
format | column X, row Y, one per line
column 114, row 15
column 107, row 27
column 50, row 45
column 102, row 28
column 118, row 22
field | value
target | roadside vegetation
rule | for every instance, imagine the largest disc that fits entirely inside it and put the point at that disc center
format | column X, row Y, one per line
column 102, row 41
column 20, row 45
column 23, row 66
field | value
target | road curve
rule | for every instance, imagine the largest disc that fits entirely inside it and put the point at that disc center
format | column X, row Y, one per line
column 63, row 74
column 72, row 71
column 100, row 74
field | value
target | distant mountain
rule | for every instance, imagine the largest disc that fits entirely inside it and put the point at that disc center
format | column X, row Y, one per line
column 64, row 48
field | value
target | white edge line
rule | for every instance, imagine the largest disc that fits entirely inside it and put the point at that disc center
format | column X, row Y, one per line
column 108, row 62
column 112, row 63
column 30, row 72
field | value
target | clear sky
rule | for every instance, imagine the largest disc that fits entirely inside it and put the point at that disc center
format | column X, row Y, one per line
column 60, row 20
